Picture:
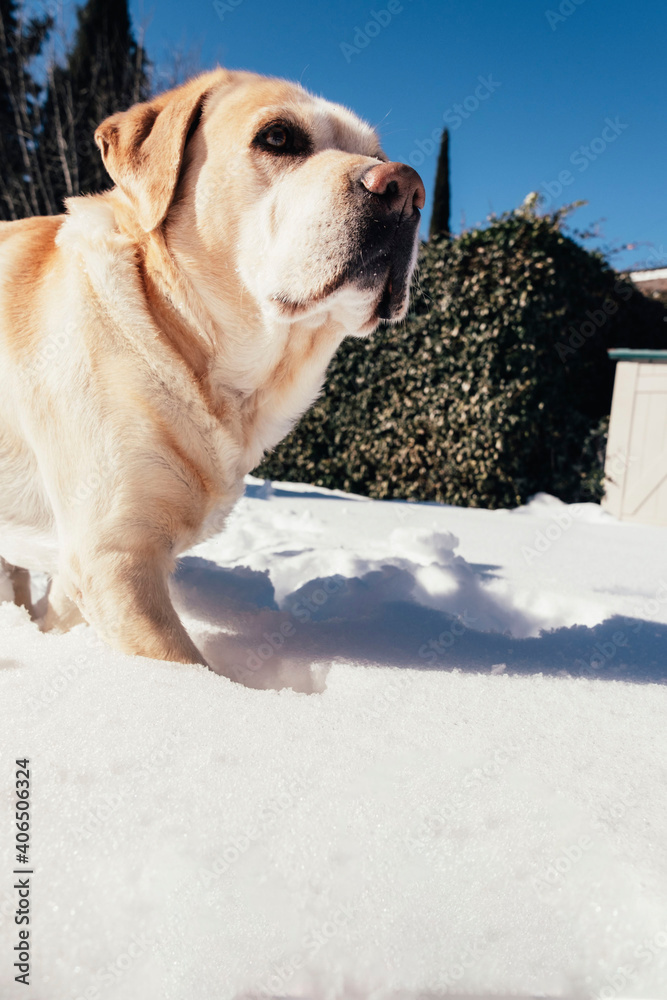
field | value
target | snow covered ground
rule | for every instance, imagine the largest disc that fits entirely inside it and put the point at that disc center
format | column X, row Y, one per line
column 439, row 768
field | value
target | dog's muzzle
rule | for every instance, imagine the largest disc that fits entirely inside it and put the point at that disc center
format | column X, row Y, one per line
column 392, row 196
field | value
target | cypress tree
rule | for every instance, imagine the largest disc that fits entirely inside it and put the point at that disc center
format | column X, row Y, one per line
column 440, row 216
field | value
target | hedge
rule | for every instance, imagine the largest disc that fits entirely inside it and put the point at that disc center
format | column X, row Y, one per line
column 497, row 385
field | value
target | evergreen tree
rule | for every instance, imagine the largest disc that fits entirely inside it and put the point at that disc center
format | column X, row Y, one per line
column 105, row 71
column 440, row 216
column 22, row 191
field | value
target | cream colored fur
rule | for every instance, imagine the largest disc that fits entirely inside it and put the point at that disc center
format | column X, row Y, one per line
column 158, row 338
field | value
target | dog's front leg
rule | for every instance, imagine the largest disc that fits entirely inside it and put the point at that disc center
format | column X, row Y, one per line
column 125, row 596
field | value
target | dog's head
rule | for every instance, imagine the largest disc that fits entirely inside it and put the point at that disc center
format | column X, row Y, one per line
column 272, row 192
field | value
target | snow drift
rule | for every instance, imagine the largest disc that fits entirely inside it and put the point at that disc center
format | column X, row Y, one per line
column 429, row 760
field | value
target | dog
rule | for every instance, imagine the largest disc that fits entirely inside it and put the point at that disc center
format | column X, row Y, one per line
column 158, row 338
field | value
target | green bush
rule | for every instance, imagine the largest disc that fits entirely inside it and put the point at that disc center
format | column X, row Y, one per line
column 495, row 387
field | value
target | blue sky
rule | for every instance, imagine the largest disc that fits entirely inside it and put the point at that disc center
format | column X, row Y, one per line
column 567, row 97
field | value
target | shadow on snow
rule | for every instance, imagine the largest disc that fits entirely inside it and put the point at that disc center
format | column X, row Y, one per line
column 373, row 620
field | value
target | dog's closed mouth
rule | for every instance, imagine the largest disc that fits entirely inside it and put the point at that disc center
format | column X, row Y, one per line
column 291, row 308
column 389, row 305
column 392, row 301
column 385, row 305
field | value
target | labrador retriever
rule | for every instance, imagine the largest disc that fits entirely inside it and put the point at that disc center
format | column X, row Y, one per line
column 158, row 338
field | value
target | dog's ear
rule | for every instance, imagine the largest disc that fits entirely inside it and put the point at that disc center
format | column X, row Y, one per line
column 142, row 148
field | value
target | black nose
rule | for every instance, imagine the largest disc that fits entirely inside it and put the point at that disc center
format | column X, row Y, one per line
column 397, row 185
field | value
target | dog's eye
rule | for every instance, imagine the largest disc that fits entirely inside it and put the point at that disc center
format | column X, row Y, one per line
column 283, row 139
column 278, row 137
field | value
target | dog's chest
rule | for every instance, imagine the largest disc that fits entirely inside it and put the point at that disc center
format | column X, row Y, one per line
column 283, row 394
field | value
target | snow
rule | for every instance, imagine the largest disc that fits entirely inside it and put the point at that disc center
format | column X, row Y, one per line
column 439, row 768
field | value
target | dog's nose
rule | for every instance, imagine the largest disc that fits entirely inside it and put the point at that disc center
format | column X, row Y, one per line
column 397, row 185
